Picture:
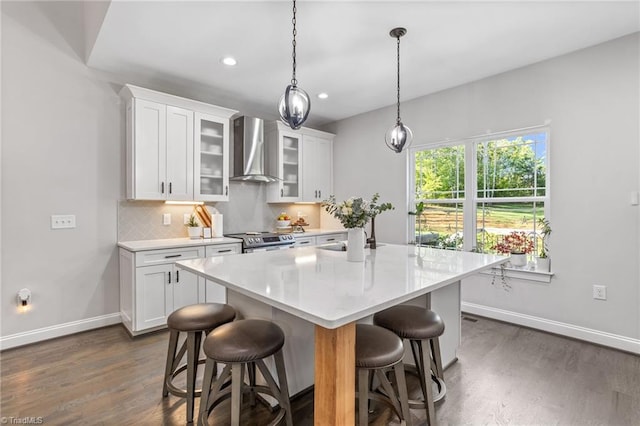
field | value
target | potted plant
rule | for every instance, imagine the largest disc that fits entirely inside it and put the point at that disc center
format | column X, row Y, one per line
column 354, row 214
column 193, row 228
column 516, row 244
column 542, row 260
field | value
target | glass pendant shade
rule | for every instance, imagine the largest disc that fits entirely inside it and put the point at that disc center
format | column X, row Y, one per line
column 294, row 107
column 398, row 137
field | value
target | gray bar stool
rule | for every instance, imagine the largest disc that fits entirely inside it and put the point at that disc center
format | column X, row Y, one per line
column 243, row 345
column 419, row 325
column 378, row 350
column 192, row 320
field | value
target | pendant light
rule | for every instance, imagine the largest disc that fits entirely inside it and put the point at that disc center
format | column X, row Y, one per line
column 295, row 104
column 399, row 136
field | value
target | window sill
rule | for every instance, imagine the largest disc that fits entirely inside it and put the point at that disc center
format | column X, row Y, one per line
column 521, row 274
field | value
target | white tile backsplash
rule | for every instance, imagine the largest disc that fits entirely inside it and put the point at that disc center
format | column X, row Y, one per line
column 246, row 210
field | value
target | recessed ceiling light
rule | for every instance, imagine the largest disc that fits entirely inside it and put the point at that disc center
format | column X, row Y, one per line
column 323, row 95
column 228, row 60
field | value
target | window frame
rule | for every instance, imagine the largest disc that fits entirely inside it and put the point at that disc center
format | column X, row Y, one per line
column 471, row 199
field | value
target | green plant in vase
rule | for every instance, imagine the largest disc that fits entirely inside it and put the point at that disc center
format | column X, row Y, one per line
column 542, row 261
column 193, row 228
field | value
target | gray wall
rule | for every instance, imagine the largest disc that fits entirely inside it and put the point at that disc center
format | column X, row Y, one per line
column 61, row 154
column 592, row 99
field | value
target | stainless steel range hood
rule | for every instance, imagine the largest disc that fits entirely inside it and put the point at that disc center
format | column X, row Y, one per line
column 249, row 153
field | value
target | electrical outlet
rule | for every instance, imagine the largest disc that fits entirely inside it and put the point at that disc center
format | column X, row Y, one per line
column 166, row 219
column 62, row 221
column 600, row 292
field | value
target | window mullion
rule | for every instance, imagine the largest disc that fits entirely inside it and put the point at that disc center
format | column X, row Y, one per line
column 471, row 188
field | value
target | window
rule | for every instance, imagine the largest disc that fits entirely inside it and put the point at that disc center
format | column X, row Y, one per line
column 476, row 191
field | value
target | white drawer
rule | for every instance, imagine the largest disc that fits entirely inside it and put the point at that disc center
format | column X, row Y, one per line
column 223, row 249
column 305, row 241
column 157, row 257
column 331, row 238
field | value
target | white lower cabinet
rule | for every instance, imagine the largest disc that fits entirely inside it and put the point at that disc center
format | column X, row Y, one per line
column 304, row 241
column 319, row 239
column 331, row 238
column 160, row 290
column 152, row 286
column 213, row 292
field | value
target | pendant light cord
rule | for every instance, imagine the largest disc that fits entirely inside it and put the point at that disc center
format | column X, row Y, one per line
column 294, row 82
column 399, row 121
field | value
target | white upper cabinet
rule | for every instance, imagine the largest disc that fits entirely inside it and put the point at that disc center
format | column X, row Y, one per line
column 179, row 180
column 317, row 168
column 212, row 158
column 302, row 160
column 177, row 148
column 146, row 149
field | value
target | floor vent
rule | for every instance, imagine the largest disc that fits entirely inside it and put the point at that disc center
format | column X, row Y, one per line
column 469, row 319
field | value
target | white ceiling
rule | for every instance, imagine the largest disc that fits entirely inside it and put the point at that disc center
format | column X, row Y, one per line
column 344, row 47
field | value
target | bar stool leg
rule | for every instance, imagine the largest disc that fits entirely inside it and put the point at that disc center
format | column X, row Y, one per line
column 251, row 369
column 237, row 377
column 425, row 378
column 416, row 349
column 193, row 350
column 363, row 396
column 171, row 354
column 207, row 379
column 402, row 392
column 284, row 386
column 435, row 351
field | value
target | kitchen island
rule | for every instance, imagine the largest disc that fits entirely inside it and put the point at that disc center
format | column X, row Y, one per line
column 311, row 288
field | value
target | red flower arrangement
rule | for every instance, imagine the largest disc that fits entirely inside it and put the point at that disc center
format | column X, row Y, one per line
column 516, row 242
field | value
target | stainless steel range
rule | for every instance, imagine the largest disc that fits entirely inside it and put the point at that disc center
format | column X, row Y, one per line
column 264, row 241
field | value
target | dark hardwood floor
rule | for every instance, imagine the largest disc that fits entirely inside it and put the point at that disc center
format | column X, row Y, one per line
column 505, row 375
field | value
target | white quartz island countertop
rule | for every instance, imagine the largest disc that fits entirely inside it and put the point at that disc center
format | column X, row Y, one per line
column 322, row 287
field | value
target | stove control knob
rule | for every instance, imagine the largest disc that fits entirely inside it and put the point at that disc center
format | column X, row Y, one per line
column 250, row 240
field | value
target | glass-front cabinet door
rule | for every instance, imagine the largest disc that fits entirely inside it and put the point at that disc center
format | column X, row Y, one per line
column 285, row 162
column 211, row 158
column 291, row 154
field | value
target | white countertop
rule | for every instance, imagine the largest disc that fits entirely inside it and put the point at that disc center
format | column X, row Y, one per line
column 174, row 243
column 187, row 242
column 322, row 287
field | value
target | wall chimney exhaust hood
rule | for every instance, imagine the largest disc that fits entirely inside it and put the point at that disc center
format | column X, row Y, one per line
column 249, row 153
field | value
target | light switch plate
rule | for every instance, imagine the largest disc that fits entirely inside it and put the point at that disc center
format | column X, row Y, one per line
column 63, row 221
column 166, row 219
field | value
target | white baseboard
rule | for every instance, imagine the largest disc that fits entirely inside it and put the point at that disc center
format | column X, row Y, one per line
column 594, row 336
column 45, row 333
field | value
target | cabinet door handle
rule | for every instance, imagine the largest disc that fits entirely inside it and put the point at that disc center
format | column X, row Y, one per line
column 303, row 242
column 281, row 192
column 162, row 188
column 169, row 256
column 170, row 188
column 316, row 194
column 226, row 190
column 169, row 277
column 178, row 276
column 331, row 239
column 319, row 193
column 224, row 251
